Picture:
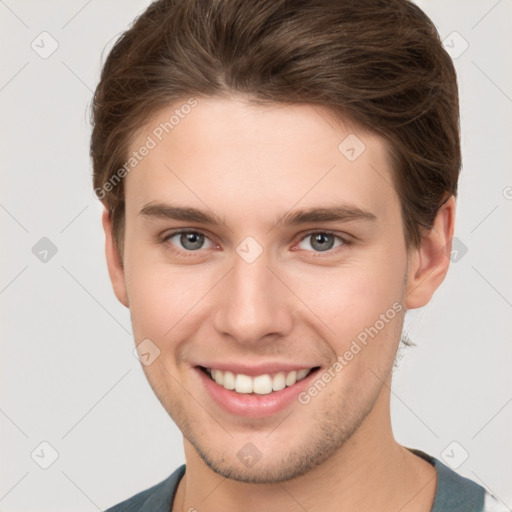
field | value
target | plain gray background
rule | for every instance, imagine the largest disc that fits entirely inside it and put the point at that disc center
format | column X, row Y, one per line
column 69, row 377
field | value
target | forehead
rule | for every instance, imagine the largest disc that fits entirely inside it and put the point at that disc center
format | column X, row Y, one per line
column 248, row 160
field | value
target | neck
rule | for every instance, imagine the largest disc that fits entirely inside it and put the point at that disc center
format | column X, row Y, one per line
column 371, row 471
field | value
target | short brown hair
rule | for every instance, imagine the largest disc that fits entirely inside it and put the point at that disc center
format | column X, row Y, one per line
column 377, row 63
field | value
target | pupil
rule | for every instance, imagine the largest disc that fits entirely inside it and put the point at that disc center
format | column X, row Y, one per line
column 321, row 239
column 191, row 240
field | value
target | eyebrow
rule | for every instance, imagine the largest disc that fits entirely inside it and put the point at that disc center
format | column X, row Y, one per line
column 338, row 213
column 326, row 214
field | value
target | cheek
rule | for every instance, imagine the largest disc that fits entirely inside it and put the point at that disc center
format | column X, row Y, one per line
column 158, row 300
column 352, row 296
column 358, row 306
column 164, row 299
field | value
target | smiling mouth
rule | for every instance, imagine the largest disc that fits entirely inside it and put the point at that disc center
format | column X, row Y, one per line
column 259, row 385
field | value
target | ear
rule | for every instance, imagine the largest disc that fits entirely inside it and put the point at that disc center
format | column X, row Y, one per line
column 115, row 267
column 429, row 263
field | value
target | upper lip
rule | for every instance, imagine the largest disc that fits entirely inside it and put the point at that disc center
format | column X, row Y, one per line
column 257, row 369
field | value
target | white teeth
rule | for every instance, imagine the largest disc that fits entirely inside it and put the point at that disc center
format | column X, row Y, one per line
column 291, row 378
column 260, row 385
column 229, row 380
column 243, row 383
column 301, row 374
column 278, row 382
column 219, row 377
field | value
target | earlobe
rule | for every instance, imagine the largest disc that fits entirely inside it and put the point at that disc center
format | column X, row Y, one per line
column 429, row 263
column 115, row 267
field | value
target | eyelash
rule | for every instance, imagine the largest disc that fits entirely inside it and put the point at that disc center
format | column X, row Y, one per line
column 345, row 242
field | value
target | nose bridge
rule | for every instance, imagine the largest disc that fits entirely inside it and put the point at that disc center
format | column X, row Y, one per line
column 253, row 302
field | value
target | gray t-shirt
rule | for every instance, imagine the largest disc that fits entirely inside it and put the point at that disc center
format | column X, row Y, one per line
column 454, row 493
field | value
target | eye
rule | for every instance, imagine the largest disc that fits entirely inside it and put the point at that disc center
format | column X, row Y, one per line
column 188, row 241
column 322, row 241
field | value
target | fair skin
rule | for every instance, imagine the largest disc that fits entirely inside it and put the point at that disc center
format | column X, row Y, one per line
column 295, row 303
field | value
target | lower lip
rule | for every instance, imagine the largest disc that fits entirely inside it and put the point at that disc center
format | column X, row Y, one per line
column 251, row 405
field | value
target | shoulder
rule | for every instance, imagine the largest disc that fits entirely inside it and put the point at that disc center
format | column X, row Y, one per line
column 491, row 504
column 455, row 493
column 155, row 499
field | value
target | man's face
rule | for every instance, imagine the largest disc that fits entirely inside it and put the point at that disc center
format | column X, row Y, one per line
column 258, row 295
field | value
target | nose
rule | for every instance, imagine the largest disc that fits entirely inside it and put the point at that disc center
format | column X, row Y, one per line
column 253, row 303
